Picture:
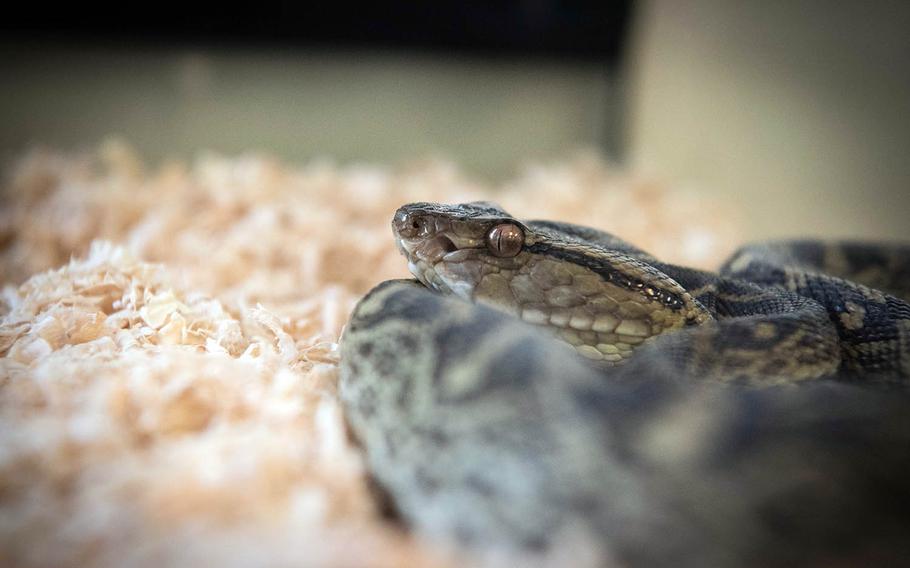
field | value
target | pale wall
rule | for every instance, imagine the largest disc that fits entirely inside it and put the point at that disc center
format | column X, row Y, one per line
column 800, row 110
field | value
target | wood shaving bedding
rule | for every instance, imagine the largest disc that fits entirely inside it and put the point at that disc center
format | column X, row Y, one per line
column 169, row 346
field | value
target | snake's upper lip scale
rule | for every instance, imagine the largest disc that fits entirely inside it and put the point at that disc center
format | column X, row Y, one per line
column 432, row 250
column 459, row 255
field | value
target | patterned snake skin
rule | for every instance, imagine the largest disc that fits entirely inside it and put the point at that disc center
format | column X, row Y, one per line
column 589, row 400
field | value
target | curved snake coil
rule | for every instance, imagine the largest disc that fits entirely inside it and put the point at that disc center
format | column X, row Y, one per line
column 546, row 389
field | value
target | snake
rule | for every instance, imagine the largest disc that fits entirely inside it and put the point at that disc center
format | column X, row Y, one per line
column 547, row 391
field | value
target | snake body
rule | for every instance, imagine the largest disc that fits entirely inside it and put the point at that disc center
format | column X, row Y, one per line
column 543, row 384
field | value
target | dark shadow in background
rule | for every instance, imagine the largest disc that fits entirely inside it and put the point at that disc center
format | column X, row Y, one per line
column 488, row 84
column 574, row 30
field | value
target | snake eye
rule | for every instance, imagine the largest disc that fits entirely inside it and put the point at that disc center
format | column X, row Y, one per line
column 505, row 240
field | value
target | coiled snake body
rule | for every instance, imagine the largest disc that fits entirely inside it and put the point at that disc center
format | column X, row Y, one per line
column 675, row 433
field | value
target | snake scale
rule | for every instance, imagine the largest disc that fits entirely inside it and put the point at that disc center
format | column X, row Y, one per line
column 545, row 389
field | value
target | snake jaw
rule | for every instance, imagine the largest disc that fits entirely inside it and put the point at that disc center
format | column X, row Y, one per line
column 435, row 249
column 460, row 276
column 446, row 263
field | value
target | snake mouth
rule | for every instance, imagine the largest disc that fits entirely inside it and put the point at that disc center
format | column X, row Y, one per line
column 439, row 263
column 443, row 246
column 428, row 250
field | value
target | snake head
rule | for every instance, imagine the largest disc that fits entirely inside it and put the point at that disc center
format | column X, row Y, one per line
column 596, row 293
column 451, row 247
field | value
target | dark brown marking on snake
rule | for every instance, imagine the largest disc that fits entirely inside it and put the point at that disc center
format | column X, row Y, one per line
column 479, row 485
column 588, row 235
column 607, row 272
column 366, row 401
column 404, row 306
column 438, row 437
column 427, row 482
column 512, row 367
column 385, row 502
column 465, row 534
column 456, row 339
column 391, row 439
column 404, row 397
column 536, row 543
column 409, row 344
column 386, row 359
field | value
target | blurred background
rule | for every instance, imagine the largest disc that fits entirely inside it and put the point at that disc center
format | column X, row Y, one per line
column 798, row 112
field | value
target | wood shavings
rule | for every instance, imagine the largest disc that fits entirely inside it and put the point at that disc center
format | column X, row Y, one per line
column 168, row 346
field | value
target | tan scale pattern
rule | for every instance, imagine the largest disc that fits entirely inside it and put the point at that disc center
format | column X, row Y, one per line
column 603, row 321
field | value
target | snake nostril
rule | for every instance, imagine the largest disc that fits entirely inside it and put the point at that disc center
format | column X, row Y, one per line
column 405, row 224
